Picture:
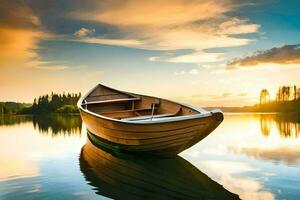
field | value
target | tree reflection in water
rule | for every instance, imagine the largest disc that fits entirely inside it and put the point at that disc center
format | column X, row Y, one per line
column 125, row 176
column 55, row 124
column 8, row 120
column 58, row 124
column 288, row 125
column 265, row 124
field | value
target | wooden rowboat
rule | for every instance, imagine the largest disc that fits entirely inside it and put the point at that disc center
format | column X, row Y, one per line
column 138, row 123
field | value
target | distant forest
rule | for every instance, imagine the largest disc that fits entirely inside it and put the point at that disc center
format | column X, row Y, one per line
column 53, row 103
column 287, row 100
column 12, row 107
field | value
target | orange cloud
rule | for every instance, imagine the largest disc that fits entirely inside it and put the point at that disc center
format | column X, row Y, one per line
column 171, row 25
column 155, row 12
column 17, row 45
column 288, row 54
column 19, row 33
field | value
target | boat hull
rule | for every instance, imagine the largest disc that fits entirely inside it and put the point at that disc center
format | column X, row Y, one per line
column 165, row 139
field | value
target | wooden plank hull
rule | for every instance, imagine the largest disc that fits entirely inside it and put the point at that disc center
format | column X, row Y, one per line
column 123, row 176
column 165, row 139
column 140, row 123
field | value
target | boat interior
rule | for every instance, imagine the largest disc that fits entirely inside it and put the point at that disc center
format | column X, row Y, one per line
column 119, row 105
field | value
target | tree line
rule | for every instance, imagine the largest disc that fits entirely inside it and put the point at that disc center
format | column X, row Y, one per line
column 287, row 100
column 53, row 103
column 12, row 107
column 284, row 93
column 287, row 93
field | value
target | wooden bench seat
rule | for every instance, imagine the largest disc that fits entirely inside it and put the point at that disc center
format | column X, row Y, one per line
column 134, row 115
column 112, row 101
column 145, row 117
column 119, row 114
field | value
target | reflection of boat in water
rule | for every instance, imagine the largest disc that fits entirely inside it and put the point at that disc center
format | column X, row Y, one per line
column 140, row 123
column 123, row 176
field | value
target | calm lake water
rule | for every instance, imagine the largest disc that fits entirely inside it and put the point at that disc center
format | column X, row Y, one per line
column 256, row 156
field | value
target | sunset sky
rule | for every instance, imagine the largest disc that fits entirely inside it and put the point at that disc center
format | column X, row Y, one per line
column 204, row 52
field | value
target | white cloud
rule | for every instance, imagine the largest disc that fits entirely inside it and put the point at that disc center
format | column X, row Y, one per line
column 187, row 72
column 114, row 42
column 154, row 58
column 219, row 97
column 245, row 187
column 237, row 26
column 52, row 68
column 84, row 32
column 197, row 57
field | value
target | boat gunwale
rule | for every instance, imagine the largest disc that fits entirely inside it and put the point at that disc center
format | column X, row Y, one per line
column 202, row 112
